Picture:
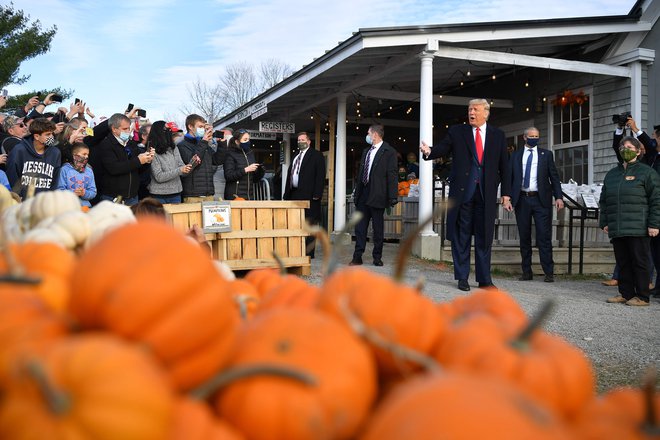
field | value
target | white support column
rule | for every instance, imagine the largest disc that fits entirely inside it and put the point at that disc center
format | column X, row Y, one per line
column 428, row 245
column 340, row 166
column 426, row 134
column 636, row 92
column 286, row 138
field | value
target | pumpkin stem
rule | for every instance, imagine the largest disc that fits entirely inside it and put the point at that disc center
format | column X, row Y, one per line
column 398, row 351
column 242, row 301
column 650, row 425
column 280, row 263
column 323, row 237
column 228, row 376
column 521, row 341
column 353, row 220
column 58, row 401
column 406, row 248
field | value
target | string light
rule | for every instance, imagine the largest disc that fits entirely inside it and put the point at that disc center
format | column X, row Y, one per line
column 526, row 83
column 378, row 113
column 468, row 72
column 526, row 109
column 409, row 110
column 461, row 83
column 494, row 77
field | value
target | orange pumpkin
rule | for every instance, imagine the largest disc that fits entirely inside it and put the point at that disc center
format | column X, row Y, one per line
column 95, row 387
column 291, row 292
column 237, row 198
column 404, row 188
column 193, row 420
column 26, row 324
column 51, row 263
column 147, row 282
column 496, row 303
column 622, row 414
column 264, row 279
column 270, row 407
column 395, row 311
column 456, row 406
column 542, row 364
column 245, row 296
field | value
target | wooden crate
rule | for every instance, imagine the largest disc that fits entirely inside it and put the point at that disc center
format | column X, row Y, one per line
column 258, row 229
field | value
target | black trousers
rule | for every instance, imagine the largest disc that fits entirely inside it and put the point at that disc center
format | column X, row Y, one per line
column 471, row 221
column 632, row 256
column 529, row 208
column 376, row 217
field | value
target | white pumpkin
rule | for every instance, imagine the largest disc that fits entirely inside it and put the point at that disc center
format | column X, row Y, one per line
column 50, row 235
column 6, row 200
column 51, row 203
column 105, row 217
column 72, row 226
column 11, row 230
column 24, row 215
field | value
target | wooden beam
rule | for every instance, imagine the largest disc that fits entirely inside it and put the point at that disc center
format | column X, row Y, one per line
column 332, row 116
column 513, row 59
column 395, row 95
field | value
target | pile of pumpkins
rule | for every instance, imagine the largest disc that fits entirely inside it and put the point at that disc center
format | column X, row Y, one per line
column 404, row 186
column 138, row 335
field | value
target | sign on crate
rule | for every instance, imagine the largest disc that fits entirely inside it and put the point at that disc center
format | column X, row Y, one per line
column 216, row 217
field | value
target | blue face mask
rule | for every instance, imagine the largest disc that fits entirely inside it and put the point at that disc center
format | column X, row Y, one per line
column 200, row 132
column 369, row 140
column 532, row 142
column 246, row 145
column 124, row 136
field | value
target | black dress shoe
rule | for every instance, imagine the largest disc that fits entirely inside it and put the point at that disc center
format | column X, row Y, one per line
column 487, row 286
column 355, row 262
column 549, row 278
column 526, row 277
column 463, row 285
column 378, row 262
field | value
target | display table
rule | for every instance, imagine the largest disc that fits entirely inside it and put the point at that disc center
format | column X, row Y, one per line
column 258, row 229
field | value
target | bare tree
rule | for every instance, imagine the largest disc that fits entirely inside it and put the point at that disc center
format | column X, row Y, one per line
column 238, row 84
column 273, row 71
column 206, row 100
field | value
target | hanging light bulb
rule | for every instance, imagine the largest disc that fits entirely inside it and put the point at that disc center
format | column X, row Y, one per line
column 494, row 77
column 461, row 83
column 358, row 103
column 468, row 72
column 526, row 83
column 378, row 113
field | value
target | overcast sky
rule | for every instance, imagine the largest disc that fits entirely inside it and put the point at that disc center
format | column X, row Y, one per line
column 147, row 51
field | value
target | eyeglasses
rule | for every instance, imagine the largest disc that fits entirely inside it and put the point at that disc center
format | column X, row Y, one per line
column 20, row 124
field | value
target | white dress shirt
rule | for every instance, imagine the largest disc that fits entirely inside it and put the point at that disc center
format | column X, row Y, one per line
column 482, row 132
column 533, row 175
column 295, row 173
column 372, row 152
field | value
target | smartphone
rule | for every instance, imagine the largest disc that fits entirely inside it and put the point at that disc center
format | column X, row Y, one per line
column 129, row 108
column 194, row 161
column 57, row 98
column 77, row 101
column 219, row 134
column 141, row 113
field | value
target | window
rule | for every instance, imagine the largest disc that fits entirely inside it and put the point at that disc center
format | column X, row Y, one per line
column 571, row 136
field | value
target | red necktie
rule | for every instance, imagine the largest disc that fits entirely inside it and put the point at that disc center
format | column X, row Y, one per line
column 479, row 144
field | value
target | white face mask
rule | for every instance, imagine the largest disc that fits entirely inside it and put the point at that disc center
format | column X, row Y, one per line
column 200, row 132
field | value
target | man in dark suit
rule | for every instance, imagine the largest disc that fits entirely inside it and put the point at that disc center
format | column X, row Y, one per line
column 305, row 181
column 376, row 189
column 479, row 162
column 534, row 181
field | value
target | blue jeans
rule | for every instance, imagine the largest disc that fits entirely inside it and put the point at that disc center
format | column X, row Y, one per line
column 128, row 202
column 167, row 198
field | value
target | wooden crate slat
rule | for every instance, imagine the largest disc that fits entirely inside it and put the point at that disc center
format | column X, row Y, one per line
column 296, row 245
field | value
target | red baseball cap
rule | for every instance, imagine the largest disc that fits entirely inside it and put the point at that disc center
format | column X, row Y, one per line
column 173, row 127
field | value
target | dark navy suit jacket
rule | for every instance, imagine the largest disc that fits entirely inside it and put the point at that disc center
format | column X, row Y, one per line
column 547, row 177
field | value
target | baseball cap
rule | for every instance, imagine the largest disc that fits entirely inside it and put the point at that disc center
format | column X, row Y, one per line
column 173, row 127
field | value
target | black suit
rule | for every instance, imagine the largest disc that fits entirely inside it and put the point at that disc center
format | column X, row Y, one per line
column 538, row 207
column 380, row 192
column 473, row 195
column 311, row 181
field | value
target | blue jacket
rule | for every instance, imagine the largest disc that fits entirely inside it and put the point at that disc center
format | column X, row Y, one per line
column 70, row 179
column 25, row 164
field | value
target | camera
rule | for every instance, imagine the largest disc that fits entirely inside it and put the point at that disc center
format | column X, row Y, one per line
column 141, row 113
column 621, row 119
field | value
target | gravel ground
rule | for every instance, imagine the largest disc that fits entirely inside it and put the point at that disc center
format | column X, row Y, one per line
column 620, row 340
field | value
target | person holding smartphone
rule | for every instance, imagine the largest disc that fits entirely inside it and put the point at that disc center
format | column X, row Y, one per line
column 167, row 168
column 241, row 168
column 198, row 184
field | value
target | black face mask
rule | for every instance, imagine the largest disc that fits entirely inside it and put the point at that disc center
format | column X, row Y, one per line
column 246, row 145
